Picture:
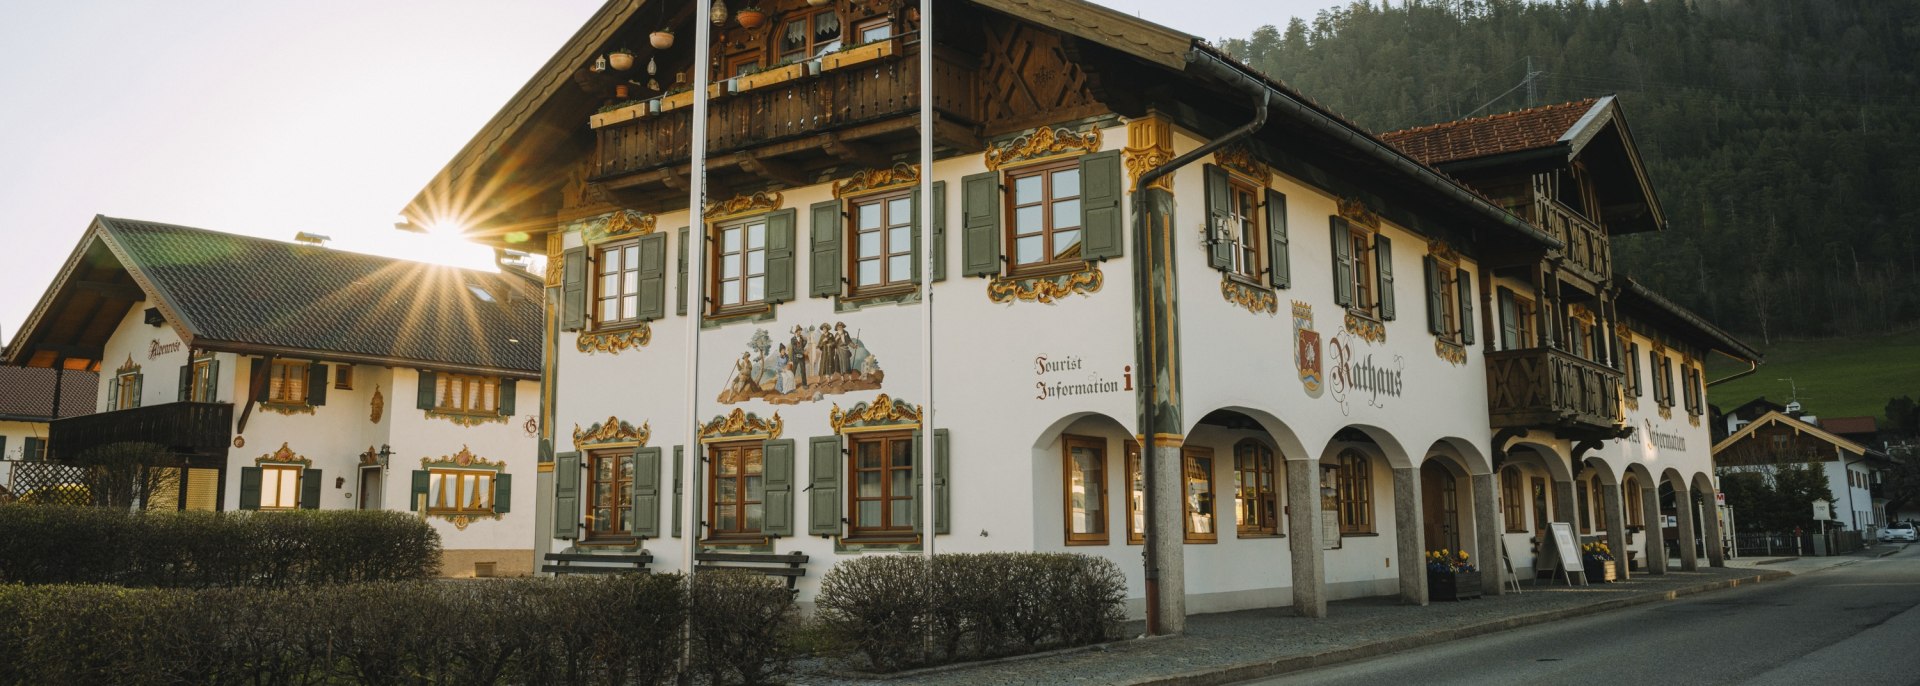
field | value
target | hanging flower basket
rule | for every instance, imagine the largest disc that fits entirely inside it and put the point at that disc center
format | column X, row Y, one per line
column 751, row 17
column 620, row 60
column 661, row 39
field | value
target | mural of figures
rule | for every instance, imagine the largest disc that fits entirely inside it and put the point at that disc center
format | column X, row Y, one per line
column 809, row 363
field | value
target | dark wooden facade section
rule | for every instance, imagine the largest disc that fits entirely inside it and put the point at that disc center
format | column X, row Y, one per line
column 1777, row 444
column 1549, row 388
column 185, row 428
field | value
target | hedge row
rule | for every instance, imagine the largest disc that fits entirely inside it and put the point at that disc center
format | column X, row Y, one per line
column 977, row 606
column 602, row 631
column 42, row 544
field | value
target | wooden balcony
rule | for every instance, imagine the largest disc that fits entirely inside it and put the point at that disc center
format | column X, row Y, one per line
column 781, row 132
column 1546, row 388
column 1588, row 253
column 188, row 428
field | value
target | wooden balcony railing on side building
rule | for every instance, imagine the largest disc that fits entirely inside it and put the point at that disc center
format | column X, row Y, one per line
column 203, row 428
column 1587, row 248
column 1547, row 387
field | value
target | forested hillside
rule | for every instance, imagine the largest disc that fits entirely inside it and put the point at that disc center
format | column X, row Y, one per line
column 1783, row 136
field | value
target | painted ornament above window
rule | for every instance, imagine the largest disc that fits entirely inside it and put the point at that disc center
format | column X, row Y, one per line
column 810, row 364
column 284, row 455
column 611, row 431
column 874, row 180
column 1046, row 289
column 1042, row 143
column 740, row 205
column 742, row 424
column 884, row 412
column 614, row 342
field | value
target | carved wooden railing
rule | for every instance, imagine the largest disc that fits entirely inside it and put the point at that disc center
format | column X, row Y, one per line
column 1587, row 248
column 1546, row 387
column 203, row 428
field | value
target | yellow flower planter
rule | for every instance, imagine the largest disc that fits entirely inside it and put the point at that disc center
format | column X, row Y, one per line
column 864, row 53
column 611, row 117
column 676, row 101
column 770, row 77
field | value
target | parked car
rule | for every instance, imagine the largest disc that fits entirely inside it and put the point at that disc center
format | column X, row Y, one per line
column 1899, row 532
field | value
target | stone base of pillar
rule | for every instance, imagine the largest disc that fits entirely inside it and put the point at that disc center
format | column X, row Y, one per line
column 1410, row 531
column 1304, row 539
column 1167, row 534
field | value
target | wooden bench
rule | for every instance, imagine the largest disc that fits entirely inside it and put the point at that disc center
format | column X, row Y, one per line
column 563, row 563
column 792, row 565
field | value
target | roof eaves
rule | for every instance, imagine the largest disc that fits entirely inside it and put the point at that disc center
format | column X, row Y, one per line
column 1727, row 341
column 163, row 299
column 17, row 352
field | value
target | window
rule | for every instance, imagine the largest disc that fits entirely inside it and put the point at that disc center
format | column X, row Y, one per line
column 1630, row 493
column 279, row 487
column 1355, row 493
column 1577, row 338
column 1584, row 501
column 1512, row 505
column 737, row 481
column 809, row 34
column 203, row 380
column 739, row 265
column 1449, row 306
column 460, row 491
column 619, row 294
column 343, row 377
column 609, row 495
column 1136, row 496
column 1045, row 207
column 882, row 493
column 287, row 383
column 882, row 242
column 1516, row 321
column 1257, row 501
column 1243, row 228
column 1197, row 467
column 1361, row 273
column 126, row 391
column 1542, row 506
column 1662, row 380
column 1086, row 465
column 742, row 65
column 464, row 394
column 1632, row 358
column 871, row 30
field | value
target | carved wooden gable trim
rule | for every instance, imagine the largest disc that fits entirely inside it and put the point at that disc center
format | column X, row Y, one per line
column 1029, row 80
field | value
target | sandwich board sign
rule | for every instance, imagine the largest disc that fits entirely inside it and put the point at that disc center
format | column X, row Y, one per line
column 1567, row 548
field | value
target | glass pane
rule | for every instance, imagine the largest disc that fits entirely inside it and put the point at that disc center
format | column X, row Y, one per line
column 604, row 467
column 730, row 292
column 755, row 461
column 1026, row 189
column 726, row 490
column 869, row 485
column 602, row 519
column 869, row 455
column 632, row 282
column 730, row 240
column 724, row 520
column 869, row 243
column 901, row 483
column 1066, row 213
column 757, row 262
column 874, row 33
column 756, row 288
column 868, row 216
column 609, row 310
column 1029, row 219
column 869, row 514
column 755, row 514
column 756, row 488
column 1066, row 183
column 902, row 453
column 1029, row 250
column 729, row 269
column 902, row 513
column 626, row 468
column 900, row 267
column 630, row 256
column 609, row 261
column 756, row 236
column 900, row 239
column 631, row 304
column 869, row 272
column 826, row 27
column 602, row 494
column 900, row 211
column 729, row 463
column 1066, row 243
column 610, row 284
column 793, row 36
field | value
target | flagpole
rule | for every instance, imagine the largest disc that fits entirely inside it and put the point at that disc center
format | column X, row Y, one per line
column 929, row 444
column 697, row 301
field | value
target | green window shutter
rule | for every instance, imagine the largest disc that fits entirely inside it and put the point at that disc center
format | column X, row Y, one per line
column 939, row 231
column 919, row 481
column 1436, row 303
column 1100, row 194
column 310, row 481
column 653, row 276
column 823, row 264
column 1463, row 280
column 417, row 493
column 1220, row 237
column 980, row 224
column 509, row 391
column 566, row 496
column 502, row 493
column 913, row 240
column 1279, row 255
column 573, row 290
column 1342, row 262
column 1383, row 265
column 942, row 493
column 212, row 392
column 646, row 493
column 139, row 388
column 186, row 382
column 780, row 255
column 823, row 485
column 680, row 295
column 113, row 392
column 778, row 472
column 1509, row 320
column 34, row 449
column 316, row 384
column 249, row 488
column 679, row 487
column 425, row 397
column 3, row 449
column 1632, row 359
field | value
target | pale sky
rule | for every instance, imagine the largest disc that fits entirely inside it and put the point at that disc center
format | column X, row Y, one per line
column 270, row 118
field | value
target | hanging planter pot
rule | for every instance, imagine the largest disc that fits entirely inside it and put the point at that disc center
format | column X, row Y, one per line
column 620, row 60
column 661, row 39
column 819, row 3
column 751, row 17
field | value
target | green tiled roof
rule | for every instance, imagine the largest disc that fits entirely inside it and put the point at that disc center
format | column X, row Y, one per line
column 250, row 291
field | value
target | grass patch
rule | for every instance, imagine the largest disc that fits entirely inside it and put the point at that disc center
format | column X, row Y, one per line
column 1837, row 377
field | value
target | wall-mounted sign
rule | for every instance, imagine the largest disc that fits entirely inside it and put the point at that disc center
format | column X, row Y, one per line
column 1306, row 350
column 1068, row 375
column 1667, row 441
column 156, row 348
column 1357, row 376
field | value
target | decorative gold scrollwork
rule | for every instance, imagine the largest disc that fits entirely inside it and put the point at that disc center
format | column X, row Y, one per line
column 1041, row 143
column 1356, row 211
column 1238, row 157
column 615, row 342
column 1454, row 353
column 284, row 455
column 1254, row 299
column 870, row 180
column 884, row 412
column 1367, row 329
column 1149, row 145
column 758, row 202
column 1045, row 289
column 741, row 423
column 611, row 431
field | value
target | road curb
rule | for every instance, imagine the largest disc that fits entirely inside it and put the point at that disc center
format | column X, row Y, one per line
column 1268, row 668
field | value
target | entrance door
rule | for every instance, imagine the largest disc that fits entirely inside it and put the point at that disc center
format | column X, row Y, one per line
column 1440, row 497
column 370, row 483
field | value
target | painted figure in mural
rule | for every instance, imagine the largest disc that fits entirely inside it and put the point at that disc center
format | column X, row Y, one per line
column 812, row 363
column 743, row 382
column 829, row 353
column 784, row 384
column 843, row 344
column 813, row 355
column 799, row 352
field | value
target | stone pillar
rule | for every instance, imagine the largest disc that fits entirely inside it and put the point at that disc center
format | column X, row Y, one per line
column 1683, row 511
column 1656, row 552
column 1565, row 508
column 1487, row 528
column 1167, row 533
column 1710, row 520
column 1408, row 532
column 1616, row 522
column 1304, row 522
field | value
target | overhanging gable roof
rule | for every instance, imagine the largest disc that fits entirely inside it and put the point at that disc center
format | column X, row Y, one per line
column 1643, row 301
column 1796, row 425
column 1535, row 128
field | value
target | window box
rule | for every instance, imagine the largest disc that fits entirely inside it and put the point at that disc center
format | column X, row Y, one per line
column 770, row 77
column 674, row 101
column 1453, row 586
column 856, row 55
column 619, row 114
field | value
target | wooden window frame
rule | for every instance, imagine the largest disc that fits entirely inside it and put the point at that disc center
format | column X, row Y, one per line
column 446, row 383
column 621, row 509
column 279, row 374
column 1663, row 381
column 1355, row 493
column 126, row 391
column 1525, row 329
column 811, row 17
column 1452, row 330
column 738, row 61
column 1365, row 301
column 1248, row 447
column 278, row 470
column 1136, row 485
column 861, row 28
column 1513, row 502
column 1249, row 235
column 888, row 284
column 1635, row 387
column 614, row 253
column 1541, row 519
column 717, row 455
column 1631, row 503
column 343, row 377
column 1583, row 503
column 887, row 531
column 716, row 256
column 1099, row 448
column 1188, row 456
column 1050, row 263
column 437, row 478
column 205, row 381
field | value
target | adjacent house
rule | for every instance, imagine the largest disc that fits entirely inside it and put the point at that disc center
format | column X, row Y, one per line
column 1284, row 367
column 29, row 400
column 274, row 375
column 1853, row 469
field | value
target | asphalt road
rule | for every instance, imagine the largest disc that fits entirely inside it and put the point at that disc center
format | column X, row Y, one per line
column 1857, row 624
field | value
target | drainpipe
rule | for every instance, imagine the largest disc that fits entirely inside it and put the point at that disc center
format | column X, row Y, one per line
column 1752, row 366
column 1143, row 292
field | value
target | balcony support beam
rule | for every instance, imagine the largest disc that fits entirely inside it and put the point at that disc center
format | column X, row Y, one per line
column 773, row 170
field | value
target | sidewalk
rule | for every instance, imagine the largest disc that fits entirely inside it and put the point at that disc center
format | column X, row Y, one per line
column 1803, row 565
column 1236, row 646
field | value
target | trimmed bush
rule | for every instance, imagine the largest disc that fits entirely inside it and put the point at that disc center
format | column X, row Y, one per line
column 975, row 605
column 50, row 544
column 740, row 626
